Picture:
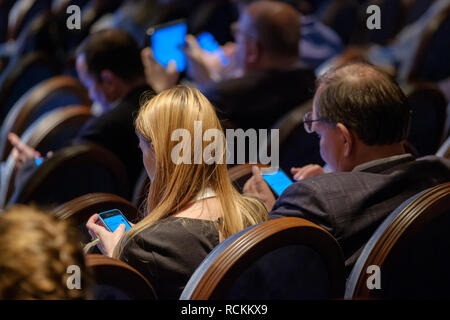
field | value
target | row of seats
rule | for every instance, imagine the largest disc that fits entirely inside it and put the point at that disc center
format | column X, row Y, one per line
column 252, row 264
column 51, row 113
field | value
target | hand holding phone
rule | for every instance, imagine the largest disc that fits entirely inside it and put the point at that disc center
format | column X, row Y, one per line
column 277, row 180
column 168, row 42
column 111, row 219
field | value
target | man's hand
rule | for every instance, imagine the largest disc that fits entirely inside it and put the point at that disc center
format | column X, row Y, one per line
column 108, row 240
column 256, row 186
column 156, row 76
column 21, row 153
column 307, row 171
column 197, row 61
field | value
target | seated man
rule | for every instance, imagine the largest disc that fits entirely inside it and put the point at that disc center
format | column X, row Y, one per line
column 362, row 118
column 271, row 80
column 109, row 65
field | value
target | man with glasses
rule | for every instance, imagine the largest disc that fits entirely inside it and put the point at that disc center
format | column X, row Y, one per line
column 362, row 118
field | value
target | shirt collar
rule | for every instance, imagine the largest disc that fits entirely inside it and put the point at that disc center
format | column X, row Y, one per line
column 384, row 163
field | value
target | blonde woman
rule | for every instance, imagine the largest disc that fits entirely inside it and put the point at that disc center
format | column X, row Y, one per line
column 191, row 207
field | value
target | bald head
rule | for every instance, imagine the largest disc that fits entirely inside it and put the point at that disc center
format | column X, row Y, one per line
column 275, row 25
column 366, row 100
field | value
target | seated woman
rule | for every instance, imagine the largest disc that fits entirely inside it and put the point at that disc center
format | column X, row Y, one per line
column 192, row 204
column 40, row 257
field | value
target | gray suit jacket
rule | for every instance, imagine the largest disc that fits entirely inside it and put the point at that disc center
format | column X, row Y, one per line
column 351, row 205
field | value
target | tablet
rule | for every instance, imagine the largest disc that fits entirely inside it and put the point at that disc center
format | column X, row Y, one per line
column 166, row 42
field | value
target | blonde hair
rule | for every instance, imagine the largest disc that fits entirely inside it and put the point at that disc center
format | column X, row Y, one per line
column 35, row 252
column 174, row 186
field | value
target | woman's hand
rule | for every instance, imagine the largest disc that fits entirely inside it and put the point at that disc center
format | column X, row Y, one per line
column 108, row 240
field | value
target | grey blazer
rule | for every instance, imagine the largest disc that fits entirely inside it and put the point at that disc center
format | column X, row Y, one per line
column 351, row 205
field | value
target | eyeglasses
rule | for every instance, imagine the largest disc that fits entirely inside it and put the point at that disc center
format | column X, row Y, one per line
column 308, row 122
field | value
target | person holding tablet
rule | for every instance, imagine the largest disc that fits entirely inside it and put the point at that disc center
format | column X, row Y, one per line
column 190, row 207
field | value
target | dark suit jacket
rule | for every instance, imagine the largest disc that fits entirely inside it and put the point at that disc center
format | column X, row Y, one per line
column 115, row 131
column 259, row 99
column 351, row 205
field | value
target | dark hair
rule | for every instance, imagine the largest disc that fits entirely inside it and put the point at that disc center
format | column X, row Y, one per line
column 113, row 50
column 277, row 26
column 365, row 99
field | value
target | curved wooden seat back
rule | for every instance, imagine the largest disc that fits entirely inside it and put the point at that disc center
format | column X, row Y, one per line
column 239, row 174
column 444, row 150
column 297, row 147
column 49, row 133
column 432, row 49
column 23, row 13
column 21, row 75
column 140, row 191
column 411, row 248
column 116, row 280
column 428, row 104
column 70, row 173
column 5, row 7
column 284, row 258
column 80, row 209
column 54, row 129
column 49, row 95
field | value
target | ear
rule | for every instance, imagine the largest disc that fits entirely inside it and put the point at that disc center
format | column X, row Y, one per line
column 108, row 79
column 253, row 52
column 347, row 139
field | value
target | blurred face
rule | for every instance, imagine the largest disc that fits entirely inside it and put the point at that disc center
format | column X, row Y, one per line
column 94, row 87
column 331, row 148
column 244, row 54
column 148, row 156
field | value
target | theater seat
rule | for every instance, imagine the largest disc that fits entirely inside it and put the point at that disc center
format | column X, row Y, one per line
column 428, row 105
column 410, row 248
column 80, row 209
column 239, row 174
column 49, row 95
column 431, row 61
column 115, row 280
column 22, row 74
column 444, row 150
column 284, row 258
column 70, row 173
column 297, row 147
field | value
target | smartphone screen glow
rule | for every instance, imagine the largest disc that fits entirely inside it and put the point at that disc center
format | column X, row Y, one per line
column 278, row 181
column 208, row 43
column 166, row 43
column 114, row 221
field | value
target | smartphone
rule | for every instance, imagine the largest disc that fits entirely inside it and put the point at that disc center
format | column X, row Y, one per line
column 111, row 219
column 208, row 43
column 276, row 179
column 166, row 42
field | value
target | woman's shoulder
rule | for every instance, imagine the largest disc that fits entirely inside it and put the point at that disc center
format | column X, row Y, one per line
column 176, row 230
